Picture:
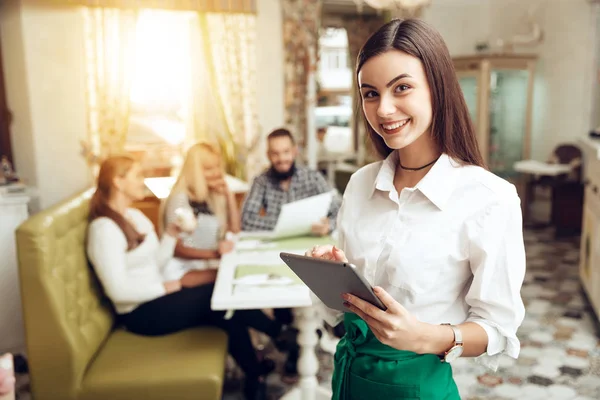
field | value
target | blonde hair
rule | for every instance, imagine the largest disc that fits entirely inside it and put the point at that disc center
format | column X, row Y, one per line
column 192, row 182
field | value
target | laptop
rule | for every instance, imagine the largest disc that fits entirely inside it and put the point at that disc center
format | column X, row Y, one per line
column 296, row 218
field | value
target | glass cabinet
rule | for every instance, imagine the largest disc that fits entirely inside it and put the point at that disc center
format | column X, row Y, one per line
column 498, row 90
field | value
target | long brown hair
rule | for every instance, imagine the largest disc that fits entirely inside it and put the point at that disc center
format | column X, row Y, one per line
column 192, row 182
column 451, row 128
column 112, row 167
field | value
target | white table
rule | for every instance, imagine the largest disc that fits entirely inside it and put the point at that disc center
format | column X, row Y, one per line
column 296, row 297
column 161, row 186
column 533, row 167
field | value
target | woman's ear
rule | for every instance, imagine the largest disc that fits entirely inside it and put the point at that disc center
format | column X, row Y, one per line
column 117, row 183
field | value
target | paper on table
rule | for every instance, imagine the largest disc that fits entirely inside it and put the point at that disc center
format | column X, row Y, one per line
column 263, row 257
column 296, row 218
column 270, row 291
column 300, row 243
column 254, row 245
column 264, row 279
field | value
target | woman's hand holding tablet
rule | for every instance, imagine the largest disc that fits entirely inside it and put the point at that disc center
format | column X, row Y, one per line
column 391, row 323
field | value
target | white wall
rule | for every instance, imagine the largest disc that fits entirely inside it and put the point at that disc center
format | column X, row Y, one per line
column 462, row 23
column 269, row 70
column 17, row 88
column 45, row 74
column 564, row 79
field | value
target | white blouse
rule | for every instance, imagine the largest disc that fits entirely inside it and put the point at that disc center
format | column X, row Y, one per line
column 205, row 236
column 133, row 277
column 450, row 250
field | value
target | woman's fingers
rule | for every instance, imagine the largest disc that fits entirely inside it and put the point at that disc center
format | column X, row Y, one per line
column 339, row 254
column 326, row 252
column 323, row 251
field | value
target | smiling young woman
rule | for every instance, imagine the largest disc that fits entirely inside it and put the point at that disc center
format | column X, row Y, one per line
column 438, row 235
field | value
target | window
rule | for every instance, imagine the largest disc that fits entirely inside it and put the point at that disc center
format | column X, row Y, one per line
column 160, row 87
column 334, row 71
column 159, row 80
column 343, row 57
column 335, row 81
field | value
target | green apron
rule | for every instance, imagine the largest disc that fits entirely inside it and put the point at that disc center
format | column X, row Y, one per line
column 367, row 369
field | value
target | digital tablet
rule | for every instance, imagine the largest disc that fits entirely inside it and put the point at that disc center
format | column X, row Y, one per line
column 330, row 279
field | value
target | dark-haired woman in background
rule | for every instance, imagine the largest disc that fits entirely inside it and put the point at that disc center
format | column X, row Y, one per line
column 129, row 260
column 438, row 235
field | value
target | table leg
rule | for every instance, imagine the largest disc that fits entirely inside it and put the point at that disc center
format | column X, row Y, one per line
column 525, row 195
column 307, row 322
column 528, row 197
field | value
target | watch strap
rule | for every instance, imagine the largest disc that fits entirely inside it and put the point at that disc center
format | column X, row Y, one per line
column 458, row 339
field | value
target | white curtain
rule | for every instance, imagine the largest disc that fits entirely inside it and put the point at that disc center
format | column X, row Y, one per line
column 110, row 52
column 223, row 95
column 221, row 101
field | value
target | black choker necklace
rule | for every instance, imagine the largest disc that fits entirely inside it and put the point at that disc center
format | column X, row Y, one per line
column 418, row 168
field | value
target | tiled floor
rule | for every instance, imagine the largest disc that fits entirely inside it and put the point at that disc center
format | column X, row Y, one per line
column 560, row 353
column 560, row 356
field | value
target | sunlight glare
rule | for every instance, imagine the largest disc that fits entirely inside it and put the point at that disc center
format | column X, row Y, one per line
column 162, row 69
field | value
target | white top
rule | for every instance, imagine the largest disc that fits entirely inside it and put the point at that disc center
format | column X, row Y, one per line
column 129, row 278
column 450, row 250
column 204, row 237
column 206, row 234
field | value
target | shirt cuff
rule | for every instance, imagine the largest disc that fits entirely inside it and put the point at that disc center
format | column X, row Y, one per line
column 160, row 291
column 496, row 342
column 151, row 292
column 499, row 343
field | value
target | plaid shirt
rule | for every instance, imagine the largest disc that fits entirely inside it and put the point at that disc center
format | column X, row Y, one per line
column 267, row 195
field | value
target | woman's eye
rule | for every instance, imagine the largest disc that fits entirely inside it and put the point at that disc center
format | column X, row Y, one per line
column 370, row 94
column 402, row 88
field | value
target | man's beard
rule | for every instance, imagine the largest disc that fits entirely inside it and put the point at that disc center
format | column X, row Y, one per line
column 282, row 176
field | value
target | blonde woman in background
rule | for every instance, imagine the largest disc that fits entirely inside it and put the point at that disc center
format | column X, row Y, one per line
column 201, row 189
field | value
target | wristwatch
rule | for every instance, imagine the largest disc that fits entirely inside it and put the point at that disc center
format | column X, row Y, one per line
column 457, row 349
